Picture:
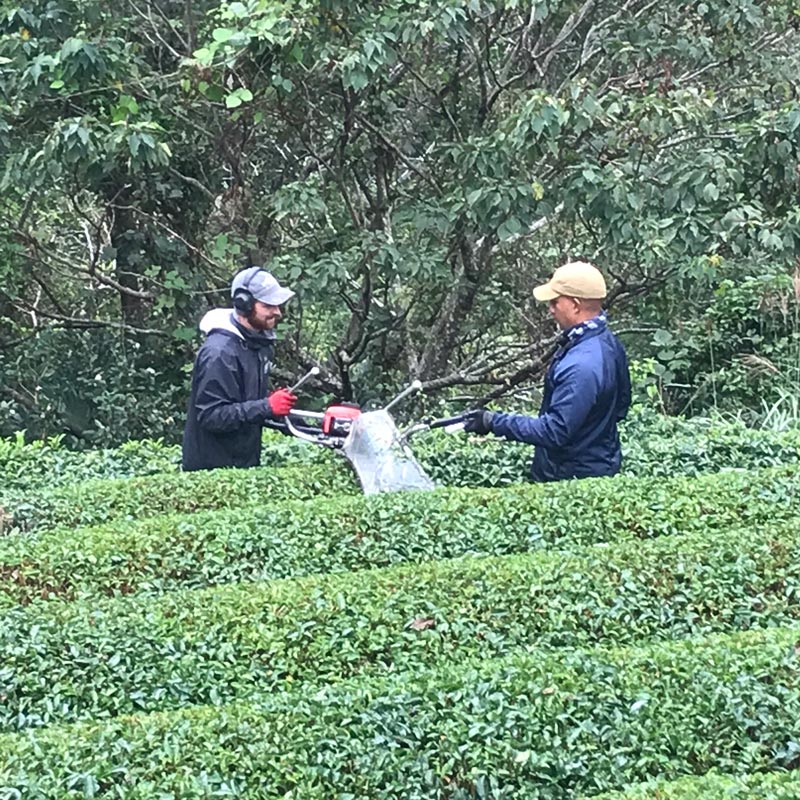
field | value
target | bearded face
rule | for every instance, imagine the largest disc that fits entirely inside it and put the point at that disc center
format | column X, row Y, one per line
column 264, row 317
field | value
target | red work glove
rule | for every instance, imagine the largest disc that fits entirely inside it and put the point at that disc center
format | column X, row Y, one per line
column 281, row 402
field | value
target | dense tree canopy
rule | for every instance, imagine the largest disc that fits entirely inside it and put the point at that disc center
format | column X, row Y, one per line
column 411, row 167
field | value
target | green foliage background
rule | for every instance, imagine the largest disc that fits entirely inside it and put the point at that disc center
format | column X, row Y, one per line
column 413, row 168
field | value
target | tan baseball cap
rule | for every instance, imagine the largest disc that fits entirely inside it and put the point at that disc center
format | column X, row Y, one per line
column 576, row 279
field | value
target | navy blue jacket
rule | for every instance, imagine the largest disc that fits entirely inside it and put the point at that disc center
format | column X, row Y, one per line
column 228, row 402
column 587, row 391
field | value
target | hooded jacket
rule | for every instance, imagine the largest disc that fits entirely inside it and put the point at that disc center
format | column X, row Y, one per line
column 587, row 391
column 228, row 401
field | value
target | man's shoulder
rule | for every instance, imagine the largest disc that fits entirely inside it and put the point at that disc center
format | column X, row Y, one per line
column 591, row 357
column 585, row 357
column 610, row 341
column 219, row 343
column 586, row 346
column 594, row 343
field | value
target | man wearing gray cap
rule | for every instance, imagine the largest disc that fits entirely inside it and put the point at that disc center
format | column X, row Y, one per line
column 587, row 389
column 229, row 404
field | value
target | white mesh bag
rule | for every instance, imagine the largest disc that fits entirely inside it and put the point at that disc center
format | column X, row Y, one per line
column 381, row 460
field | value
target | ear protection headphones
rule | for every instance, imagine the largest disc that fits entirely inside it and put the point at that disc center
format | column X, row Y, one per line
column 243, row 299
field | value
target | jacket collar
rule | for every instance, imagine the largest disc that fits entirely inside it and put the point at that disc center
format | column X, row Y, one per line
column 571, row 335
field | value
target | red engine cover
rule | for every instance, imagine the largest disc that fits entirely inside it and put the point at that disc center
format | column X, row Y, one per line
column 338, row 419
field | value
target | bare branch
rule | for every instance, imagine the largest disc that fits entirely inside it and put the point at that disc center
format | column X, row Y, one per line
column 196, row 250
column 82, row 323
column 535, row 226
column 149, row 18
column 67, row 262
column 400, row 154
column 568, row 29
column 193, row 182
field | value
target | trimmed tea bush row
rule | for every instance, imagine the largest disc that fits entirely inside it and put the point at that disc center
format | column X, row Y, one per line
column 63, row 662
column 98, row 501
column 25, row 468
column 652, row 445
column 341, row 534
column 534, row 726
column 764, row 786
column 658, row 445
column 702, row 446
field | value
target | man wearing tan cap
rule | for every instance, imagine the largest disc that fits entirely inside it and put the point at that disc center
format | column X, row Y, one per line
column 587, row 389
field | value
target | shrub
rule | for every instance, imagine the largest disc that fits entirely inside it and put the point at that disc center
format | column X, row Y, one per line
column 714, row 786
column 743, row 351
column 658, row 445
column 27, row 467
column 285, row 539
column 97, row 501
column 100, row 386
column 63, row 662
column 535, row 726
column 653, row 445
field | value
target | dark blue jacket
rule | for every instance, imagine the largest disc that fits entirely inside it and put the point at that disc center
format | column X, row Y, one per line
column 587, row 391
column 228, row 402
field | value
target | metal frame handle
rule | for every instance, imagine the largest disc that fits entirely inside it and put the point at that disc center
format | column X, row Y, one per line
column 415, row 387
column 307, row 377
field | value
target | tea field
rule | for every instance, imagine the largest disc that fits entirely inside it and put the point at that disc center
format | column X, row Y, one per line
column 272, row 633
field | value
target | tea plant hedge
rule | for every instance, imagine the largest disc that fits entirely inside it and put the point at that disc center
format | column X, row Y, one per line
column 714, row 786
column 97, row 501
column 63, row 662
column 28, row 467
column 274, row 634
column 288, row 539
column 539, row 725
column 653, row 445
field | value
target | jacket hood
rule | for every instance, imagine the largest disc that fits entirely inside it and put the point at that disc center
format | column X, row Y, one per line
column 219, row 319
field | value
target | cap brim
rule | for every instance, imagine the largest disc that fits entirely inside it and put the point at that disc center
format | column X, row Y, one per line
column 545, row 293
column 276, row 297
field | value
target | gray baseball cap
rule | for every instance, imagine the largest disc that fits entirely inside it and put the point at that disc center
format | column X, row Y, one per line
column 262, row 285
